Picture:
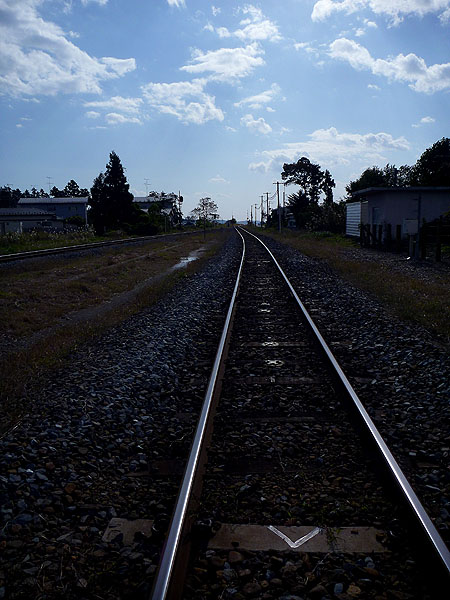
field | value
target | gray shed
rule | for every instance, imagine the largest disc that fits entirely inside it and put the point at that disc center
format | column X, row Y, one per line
column 404, row 206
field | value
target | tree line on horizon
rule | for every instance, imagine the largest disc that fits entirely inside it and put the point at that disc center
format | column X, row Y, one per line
column 313, row 207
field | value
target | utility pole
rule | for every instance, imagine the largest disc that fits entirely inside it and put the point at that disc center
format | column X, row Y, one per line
column 267, row 204
column 256, row 218
column 262, row 209
column 251, row 214
column 277, row 183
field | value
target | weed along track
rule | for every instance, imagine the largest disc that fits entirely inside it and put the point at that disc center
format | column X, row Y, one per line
column 291, row 492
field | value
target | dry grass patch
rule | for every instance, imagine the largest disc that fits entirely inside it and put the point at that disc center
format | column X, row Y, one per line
column 418, row 293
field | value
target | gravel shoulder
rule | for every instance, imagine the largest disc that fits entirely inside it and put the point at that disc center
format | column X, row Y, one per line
column 82, row 456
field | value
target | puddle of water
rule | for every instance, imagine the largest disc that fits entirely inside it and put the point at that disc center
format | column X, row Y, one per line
column 194, row 255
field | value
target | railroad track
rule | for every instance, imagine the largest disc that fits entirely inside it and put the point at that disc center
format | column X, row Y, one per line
column 289, row 490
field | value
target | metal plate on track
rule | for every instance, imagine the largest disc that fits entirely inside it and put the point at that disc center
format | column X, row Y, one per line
column 261, row 538
column 277, row 380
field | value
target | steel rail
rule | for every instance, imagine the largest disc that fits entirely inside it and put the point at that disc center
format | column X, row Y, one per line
column 173, row 541
column 414, row 504
column 77, row 247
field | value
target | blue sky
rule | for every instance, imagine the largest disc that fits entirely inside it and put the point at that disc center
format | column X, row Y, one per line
column 211, row 98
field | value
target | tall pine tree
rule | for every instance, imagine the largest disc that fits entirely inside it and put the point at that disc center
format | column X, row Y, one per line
column 111, row 204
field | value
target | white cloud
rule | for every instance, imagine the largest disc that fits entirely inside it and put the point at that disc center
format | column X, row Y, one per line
column 409, row 68
column 215, row 10
column 372, row 86
column 254, row 28
column 121, row 66
column 116, row 119
column 424, row 121
column 92, row 114
column 185, row 100
column 101, row 2
column 222, row 32
column 176, row 3
column 329, row 147
column 395, row 9
column 218, row 179
column 118, row 103
column 37, row 57
column 256, row 125
column 258, row 100
column 226, row 64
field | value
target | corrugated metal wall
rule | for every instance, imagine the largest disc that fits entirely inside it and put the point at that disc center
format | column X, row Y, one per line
column 353, row 219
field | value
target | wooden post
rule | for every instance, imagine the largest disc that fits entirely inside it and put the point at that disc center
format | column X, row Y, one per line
column 423, row 241
column 438, row 254
column 366, row 235
column 380, row 235
column 388, row 241
column 374, row 235
column 398, row 238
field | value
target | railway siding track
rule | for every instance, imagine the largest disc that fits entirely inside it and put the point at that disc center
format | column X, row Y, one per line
column 17, row 256
column 290, row 492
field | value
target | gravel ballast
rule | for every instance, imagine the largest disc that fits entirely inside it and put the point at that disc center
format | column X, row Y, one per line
column 399, row 371
column 82, row 456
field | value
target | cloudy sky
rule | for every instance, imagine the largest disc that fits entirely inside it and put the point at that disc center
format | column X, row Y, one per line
column 211, row 98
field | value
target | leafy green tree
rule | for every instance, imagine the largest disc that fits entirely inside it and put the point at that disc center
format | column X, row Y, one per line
column 98, row 211
column 372, row 177
column 313, row 182
column 73, row 190
column 307, row 175
column 9, row 197
column 327, row 186
column 111, row 203
column 433, row 167
column 57, row 193
column 205, row 213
